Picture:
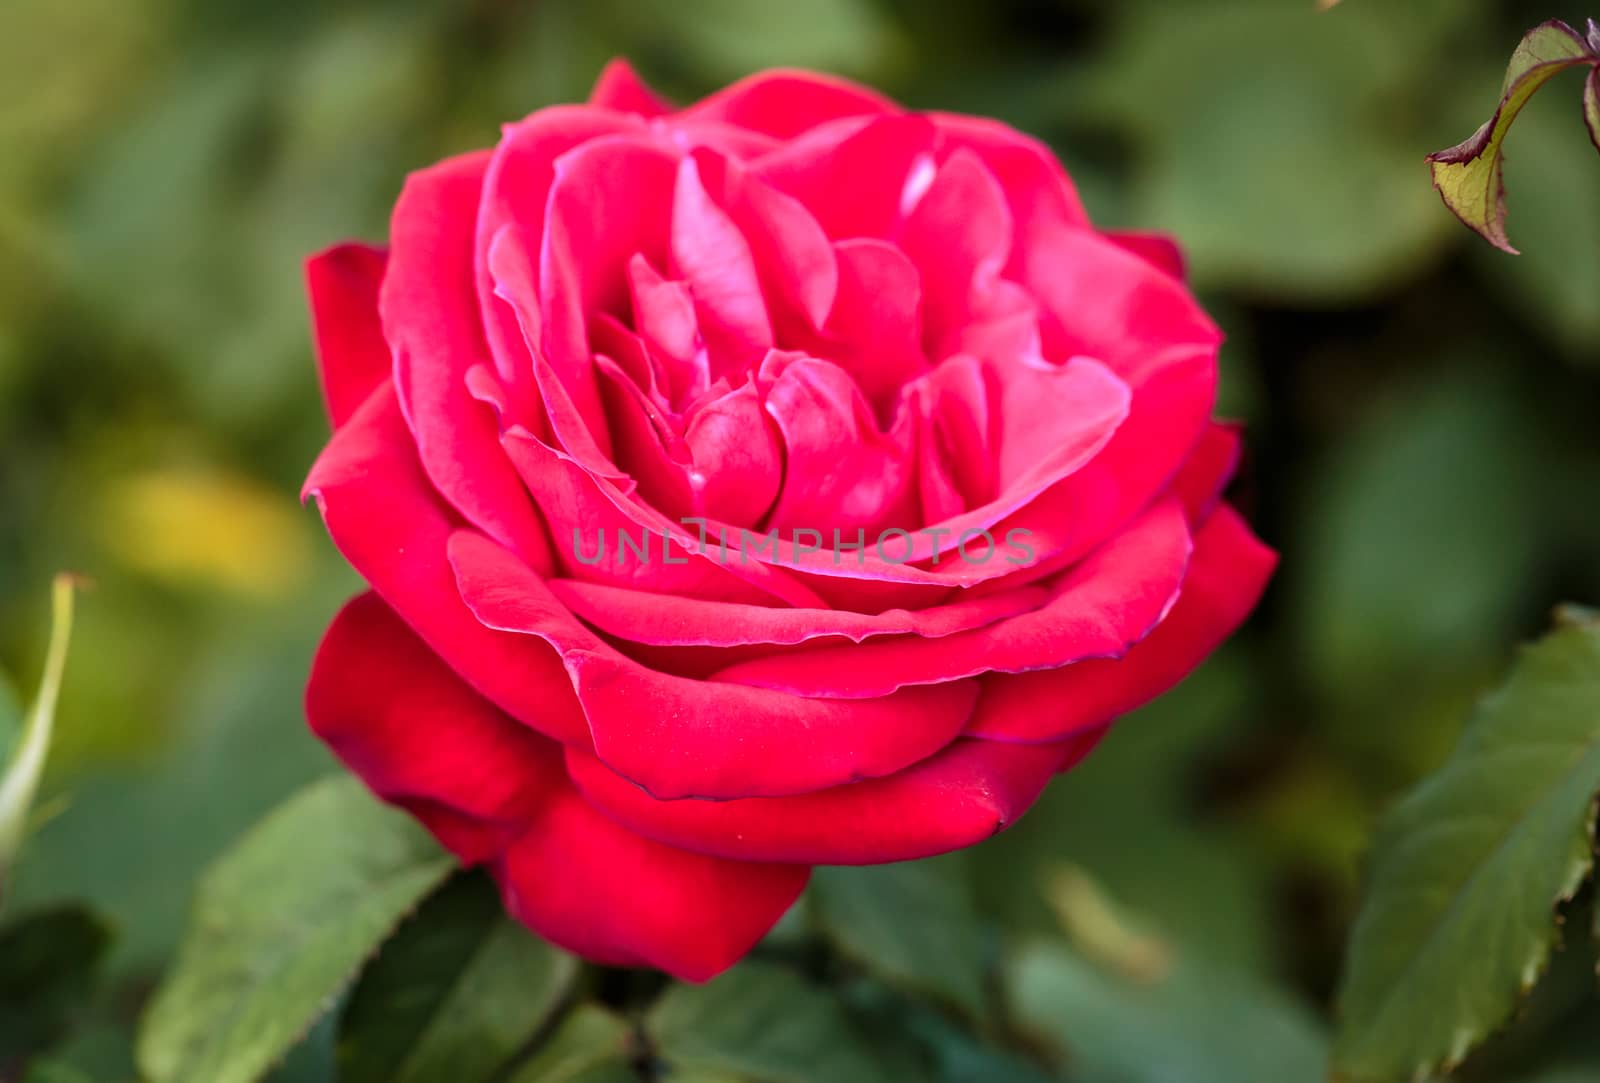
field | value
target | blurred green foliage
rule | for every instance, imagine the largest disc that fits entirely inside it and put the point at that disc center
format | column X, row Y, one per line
column 1421, row 409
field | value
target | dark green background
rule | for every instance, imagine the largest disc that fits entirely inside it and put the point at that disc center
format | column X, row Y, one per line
column 1421, row 409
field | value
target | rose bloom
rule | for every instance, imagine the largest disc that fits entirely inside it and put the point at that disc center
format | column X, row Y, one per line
column 792, row 308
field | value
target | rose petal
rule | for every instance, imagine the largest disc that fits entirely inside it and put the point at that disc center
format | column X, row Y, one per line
column 516, row 189
column 619, row 87
column 1099, row 609
column 1099, row 299
column 390, row 524
column 707, row 739
column 1229, row 571
column 1208, row 470
column 840, row 470
column 851, row 174
column 793, row 256
column 419, row 737
column 713, row 258
column 431, row 321
column 588, row 884
column 611, row 199
column 1156, row 249
column 352, row 356
column 874, row 330
column 966, row 793
column 662, row 620
column 959, row 237
column 1037, row 188
column 786, row 103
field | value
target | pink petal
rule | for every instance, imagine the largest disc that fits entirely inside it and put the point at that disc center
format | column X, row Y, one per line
column 1100, row 299
column 959, row 237
column 664, row 318
column 1226, row 577
column 736, row 456
column 390, row 524
column 679, row 737
column 793, row 256
column 590, row 885
column 966, row 793
column 840, row 470
column 516, row 189
column 1169, row 412
column 352, row 356
column 590, row 507
column 419, row 737
column 713, row 258
column 787, row 103
column 611, row 199
column 1099, row 609
column 874, row 331
column 430, row 319
column 1037, row 188
column 619, row 87
column 1156, row 249
column 662, row 620
column 1209, row 468
column 851, row 174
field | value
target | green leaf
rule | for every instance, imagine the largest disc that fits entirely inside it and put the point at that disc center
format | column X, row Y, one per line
column 590, row 1046
column 909, row 924
column 1458, row 919
column 1470, row 175
column 1198, row 1024
column 19, row 780
column 763, row 1021
column 279, row 926
column 454, row 995
column 49, row 961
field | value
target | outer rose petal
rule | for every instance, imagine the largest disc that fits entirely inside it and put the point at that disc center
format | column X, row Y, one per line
column 786, row 103
column 1039, row 191
column 587, row 883
column 680, row 737
column 352, row 356
column 1156, row 249
column 968, row 792
column 397, row 716
column 619, row 87
column 431, row 320
column 1226, row 577
column 392, row 527
column 494, row 790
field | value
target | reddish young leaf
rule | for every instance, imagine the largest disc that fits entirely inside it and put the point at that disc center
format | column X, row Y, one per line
column 1469, row 175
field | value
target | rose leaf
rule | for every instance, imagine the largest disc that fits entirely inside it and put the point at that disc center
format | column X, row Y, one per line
column 454, row 995
column 1458, row 919
column 590, row 1046
column 49, row 960
column 1470, row 175
column 908, row 924
column 279, row 926
column 762, row 1021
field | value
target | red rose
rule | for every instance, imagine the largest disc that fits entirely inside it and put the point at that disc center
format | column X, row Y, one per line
column 790, row 479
